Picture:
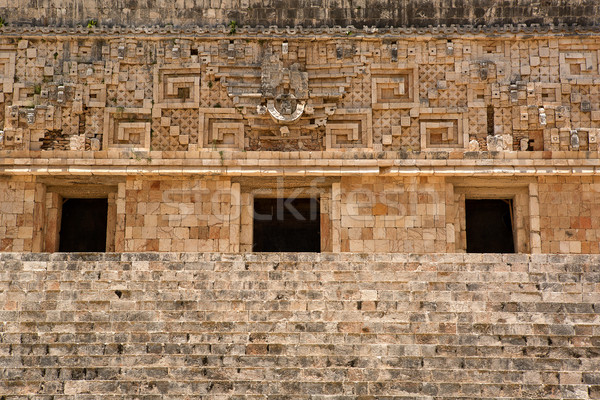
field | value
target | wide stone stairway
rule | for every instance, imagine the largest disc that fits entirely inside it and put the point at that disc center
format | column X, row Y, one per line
column 305, row 326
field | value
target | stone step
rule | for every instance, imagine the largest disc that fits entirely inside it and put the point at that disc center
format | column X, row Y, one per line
column 219, row 326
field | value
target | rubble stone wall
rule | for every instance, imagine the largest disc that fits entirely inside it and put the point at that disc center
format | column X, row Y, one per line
column 300, row 12
column 299, row 326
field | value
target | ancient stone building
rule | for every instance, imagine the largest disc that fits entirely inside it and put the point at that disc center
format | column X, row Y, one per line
column 169, row 172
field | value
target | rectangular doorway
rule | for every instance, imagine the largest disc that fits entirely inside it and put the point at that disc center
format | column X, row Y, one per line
column 83, row 225
column 489, row 226
column 286, row 225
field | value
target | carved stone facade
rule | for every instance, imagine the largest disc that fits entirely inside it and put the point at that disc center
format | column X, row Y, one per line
column 394, row 132
column 164, row 192
column 287, row 92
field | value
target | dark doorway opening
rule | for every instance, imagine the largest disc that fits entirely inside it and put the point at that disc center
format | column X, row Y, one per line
column 292, row 225
column 489, row 226
column 83, row 225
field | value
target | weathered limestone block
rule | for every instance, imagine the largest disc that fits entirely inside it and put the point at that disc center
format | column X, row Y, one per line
column 473, row 145
column 499, row 142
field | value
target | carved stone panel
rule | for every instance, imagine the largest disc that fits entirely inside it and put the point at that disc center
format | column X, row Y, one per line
column 177, row 87
column 394, row 88
column 442, row 131
column 221, row 128
column 127, row 128
column 578, row 65
column 7, row 71
column 349, row 128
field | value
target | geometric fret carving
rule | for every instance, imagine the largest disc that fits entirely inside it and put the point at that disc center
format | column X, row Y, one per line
column 7, row 71
column 23, row 94
column 394, row 88
column 126, row 128
column 349, row 128
column 177, row 87
column 221, row 128
column 95, row 95
column 578, row 65
column 442, row 131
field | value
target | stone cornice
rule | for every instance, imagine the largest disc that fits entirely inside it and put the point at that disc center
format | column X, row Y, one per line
column 300, row 167
column 299, row 31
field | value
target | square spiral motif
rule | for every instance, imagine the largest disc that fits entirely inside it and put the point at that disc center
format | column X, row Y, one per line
column 349, row 128
column 578, row 65
column 7, row 71
column 221, row 128
column 23, row 94
column 126, row 128
column 177, row 87
column 95, row 95
column 442, row 131
column 394, row 89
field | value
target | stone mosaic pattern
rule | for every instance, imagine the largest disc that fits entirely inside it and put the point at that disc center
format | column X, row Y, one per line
column 299, row 326
column 256, row 91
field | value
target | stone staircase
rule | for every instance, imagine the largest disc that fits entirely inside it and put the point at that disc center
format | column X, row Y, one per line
column 299, row 326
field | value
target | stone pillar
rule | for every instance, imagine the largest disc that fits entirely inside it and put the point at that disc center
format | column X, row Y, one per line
column 535, row 238
column 39, row 216
column 235, row 218
column 325, row 219
column 120, row 219
column 111, row 222
column 336, row 205
column 450, row 219
column 246, row 222
column 53, row 221
column 460, row 225
column 520, row 225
